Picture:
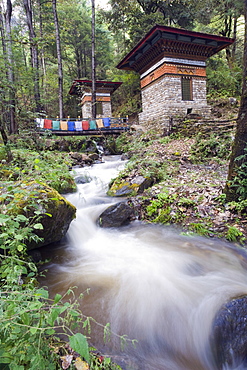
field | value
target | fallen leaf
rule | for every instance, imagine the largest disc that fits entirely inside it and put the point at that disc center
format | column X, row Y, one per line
column 66, row 361
column 80, row 364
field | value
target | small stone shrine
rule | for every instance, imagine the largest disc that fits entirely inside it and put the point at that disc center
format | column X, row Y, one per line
column 172, row 67
column 104, row 89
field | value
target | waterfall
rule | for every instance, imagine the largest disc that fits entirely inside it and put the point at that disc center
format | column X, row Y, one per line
column 149, row 282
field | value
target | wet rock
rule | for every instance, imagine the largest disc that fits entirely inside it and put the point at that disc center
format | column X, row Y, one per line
column 82, row 179
column 121, row 190
column 229, row 337
column 62, row 145
column 142, row 183
column 133, row 186
column 117, row 215
column 80, row 159
column 93, row 156
column 125, row 156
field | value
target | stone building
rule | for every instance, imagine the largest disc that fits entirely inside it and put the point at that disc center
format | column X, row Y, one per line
column 172, row 67
column 104, row 89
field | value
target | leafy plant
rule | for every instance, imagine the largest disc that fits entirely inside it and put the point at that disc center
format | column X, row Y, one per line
column 239, row 182
column 32, row 324
column 234, row 234
column 212, row 147
column 50, row 168
column 199, row 228
column 186, row 202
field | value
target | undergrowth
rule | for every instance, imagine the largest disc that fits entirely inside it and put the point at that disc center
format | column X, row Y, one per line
column 214, row 146
column 37, row 332
column 48, row 167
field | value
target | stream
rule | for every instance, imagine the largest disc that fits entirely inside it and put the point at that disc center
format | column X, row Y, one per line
column 150, row 282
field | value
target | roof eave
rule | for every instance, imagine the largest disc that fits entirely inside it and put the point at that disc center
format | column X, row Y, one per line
column 124, row 64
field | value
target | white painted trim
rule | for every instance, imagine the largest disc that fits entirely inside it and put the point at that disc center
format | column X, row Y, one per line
column 97, row 94
column 198, row 63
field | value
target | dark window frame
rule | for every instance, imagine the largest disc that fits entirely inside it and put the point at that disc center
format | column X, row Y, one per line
column 99, row 107
column 186, row 88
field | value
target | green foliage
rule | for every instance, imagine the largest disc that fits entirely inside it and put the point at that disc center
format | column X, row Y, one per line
column 239, row 182
column 239, row 207
column 48, row 167
column 212, row 147
column 199, row 228
column 127, row 98
column 162, row 209
column 234, row 234
column 32, row 324
column 162, row 200
column 3, row 155
column 221, row 80
column 28, row 317
column 78, row 343
column 186, row 202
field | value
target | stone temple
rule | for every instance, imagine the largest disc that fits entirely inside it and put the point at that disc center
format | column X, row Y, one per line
column 104, row 89
column 172, row 67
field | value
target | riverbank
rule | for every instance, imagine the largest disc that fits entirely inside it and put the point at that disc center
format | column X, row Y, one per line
column 189, row 174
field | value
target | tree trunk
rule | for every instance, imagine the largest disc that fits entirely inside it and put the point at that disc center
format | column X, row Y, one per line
column 235, row 23
column 8, row 14
column 84, row 60
column 34, row 53
column 42, row 55
column 5, row 141
column 59, row 59
column 93, row 63
column 3, row 39
column 236, row 186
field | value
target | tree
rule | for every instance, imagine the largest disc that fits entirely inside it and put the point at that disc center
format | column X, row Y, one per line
column 9, row 85
column 93, row 63
column 10, row 69
column 59, row 59
column 34, row 52
column 236, row 186
column 178, row 12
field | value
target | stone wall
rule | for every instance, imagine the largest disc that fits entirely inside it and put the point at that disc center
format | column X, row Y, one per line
column 162, row 100
column 87, row 109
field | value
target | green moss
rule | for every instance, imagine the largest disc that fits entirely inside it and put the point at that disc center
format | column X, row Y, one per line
column 124, row 188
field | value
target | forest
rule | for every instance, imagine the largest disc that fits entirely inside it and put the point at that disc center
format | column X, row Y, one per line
column 45, row 46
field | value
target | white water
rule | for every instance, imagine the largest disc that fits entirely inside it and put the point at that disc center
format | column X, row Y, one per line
column 149, row 282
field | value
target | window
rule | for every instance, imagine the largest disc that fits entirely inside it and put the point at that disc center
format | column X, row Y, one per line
column 186, row 88
column 99, row 108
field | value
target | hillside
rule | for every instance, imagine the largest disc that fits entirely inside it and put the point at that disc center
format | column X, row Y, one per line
column 189, row 172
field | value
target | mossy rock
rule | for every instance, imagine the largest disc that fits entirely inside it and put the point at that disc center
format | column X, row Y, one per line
column 45, row 205
column 136, row 185
column 122, row 189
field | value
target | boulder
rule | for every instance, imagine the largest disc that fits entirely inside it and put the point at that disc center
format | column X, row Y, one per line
column 46, row 206
column 82, row 179
column 133, row 186
column 80, row 159
column 117, row 215
column 93, row 156
column 229, row 335
column 142, row 183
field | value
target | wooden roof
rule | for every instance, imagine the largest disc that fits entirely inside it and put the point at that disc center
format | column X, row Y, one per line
column 163, row 41
column 81, row 86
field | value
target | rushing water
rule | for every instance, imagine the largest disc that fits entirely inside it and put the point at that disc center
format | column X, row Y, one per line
column 150, row 283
